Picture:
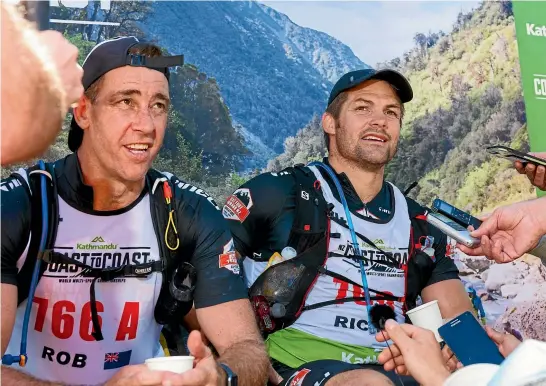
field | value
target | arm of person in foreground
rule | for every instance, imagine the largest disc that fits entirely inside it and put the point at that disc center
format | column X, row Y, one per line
column 416, row 352
column 223, row 309
column 40, row 79
column 535, row 174
column 510, row 231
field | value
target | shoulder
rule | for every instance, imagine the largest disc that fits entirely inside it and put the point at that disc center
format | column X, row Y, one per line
column 263, row 195
column 16, row 216
column 190, row 194
column 274, row 181
column 15, row 189
column 270, row 185
column 414, row 208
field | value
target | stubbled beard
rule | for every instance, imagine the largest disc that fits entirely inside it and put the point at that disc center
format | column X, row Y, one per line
column 361, row 155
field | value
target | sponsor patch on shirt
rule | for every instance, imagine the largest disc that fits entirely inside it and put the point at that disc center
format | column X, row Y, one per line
column 299, row 377
column 228, row 259
column 238, row 205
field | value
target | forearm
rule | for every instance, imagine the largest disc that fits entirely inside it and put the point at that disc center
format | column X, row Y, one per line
column 12, row 377
column 32, row 96
column 248, row 359
column 451, row 296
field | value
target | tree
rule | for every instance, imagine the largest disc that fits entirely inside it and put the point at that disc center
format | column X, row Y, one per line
column 478, row 73
column 506, row 7
column 500, row 49
column 421, row 41
column 182, row 161
column 204, row 120
column 436, row 74
column 395, row 63
column 307, row 145
column 443, row 45
column 127, row 13
column 431, row 39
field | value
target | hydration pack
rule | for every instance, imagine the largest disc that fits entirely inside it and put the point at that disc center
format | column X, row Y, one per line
column 279, row 294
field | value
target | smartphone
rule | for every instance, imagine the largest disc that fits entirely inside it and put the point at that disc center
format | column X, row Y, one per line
column 452, row 229
column 514, row 155
column 455, row 214
column 469, row 342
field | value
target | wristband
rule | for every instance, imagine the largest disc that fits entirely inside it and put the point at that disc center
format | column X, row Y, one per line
column 231, row 376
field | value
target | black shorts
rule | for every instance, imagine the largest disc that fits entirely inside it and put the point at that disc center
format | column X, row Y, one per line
column 319, row 372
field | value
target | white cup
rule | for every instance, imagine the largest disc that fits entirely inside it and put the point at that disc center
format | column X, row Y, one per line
column 427, row 316
column 475, row 375
column 175, row 364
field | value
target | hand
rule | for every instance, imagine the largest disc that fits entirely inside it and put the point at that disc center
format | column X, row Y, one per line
column 65, row 56
column 391, row 357
column 140, row 375
column 510, row 231
column 274, row 377
column 206, row 371
column 535, row 174
column 420, row 351
column 450, row 359
column 506, row 342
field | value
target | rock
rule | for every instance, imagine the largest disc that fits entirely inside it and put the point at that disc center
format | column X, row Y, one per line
column 477, row 264
column 537, row 273
column 530, row 293
column 528, row 317
column 510, row 291
column 501, row 274
column 464, row 270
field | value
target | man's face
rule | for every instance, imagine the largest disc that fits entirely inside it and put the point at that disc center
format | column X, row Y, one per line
column 368, row 128
column 127, row 121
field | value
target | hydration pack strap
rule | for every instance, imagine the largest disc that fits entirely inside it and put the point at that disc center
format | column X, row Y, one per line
column 34, row 188
column 380, row 295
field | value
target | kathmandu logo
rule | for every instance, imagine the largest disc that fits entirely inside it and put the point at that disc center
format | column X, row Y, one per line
column 93, row 244
column 533, row 30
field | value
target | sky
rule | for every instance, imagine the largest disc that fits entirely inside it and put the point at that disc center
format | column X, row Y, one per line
column 376, row 31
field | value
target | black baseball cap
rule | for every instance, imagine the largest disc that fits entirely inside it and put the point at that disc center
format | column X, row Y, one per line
column 109, row 55
column 355, row 78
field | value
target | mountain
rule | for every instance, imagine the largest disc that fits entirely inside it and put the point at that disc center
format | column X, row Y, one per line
column 273, row 75
column 327, row 55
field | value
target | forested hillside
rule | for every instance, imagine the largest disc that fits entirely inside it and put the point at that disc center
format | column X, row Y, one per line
column 467, row 96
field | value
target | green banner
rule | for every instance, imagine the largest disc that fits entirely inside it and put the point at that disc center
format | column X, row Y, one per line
column 530, row 19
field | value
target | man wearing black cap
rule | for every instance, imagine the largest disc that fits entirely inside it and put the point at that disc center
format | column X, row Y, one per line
column 340, row 218
column 157, row 244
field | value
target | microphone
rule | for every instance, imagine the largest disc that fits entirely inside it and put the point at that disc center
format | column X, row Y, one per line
column 380, row 313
